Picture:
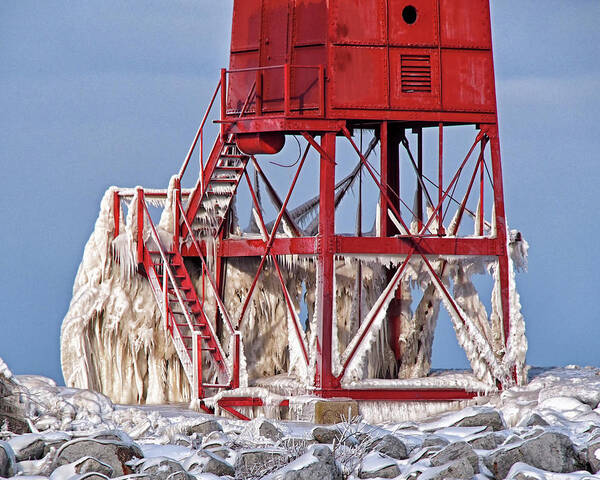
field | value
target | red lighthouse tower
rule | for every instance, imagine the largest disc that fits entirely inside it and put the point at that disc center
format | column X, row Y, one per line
column 325, row 71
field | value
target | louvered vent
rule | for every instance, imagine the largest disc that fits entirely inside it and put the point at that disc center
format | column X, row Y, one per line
column 416, row 73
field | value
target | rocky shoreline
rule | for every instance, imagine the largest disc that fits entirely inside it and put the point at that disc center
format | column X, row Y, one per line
column 547, row 430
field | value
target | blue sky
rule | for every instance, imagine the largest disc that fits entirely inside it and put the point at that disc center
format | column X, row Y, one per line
column 100, row 93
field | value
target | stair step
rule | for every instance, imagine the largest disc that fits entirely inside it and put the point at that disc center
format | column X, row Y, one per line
column 203, row 337
column 223, row 180
column 228, row 168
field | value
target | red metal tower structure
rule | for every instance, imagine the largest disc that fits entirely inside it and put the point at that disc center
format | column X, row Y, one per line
column 325, row 70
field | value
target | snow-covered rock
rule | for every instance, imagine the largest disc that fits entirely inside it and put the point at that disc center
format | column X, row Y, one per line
column 392, row 446
column 28, row 447
column 82, row 466
column 203, row 461
column 7, row 459
column 378, row 465
column 115, row 453
column 456, row 451
column 550, row 451
column 161, row 468
column 318, row 463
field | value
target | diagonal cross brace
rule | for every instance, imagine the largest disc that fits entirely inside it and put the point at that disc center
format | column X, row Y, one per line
column 271, row 238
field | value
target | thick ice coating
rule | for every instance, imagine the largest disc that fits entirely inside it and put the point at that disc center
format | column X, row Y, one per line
column 113, row 338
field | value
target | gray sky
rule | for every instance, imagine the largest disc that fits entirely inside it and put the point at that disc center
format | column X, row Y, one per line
column 110, row 92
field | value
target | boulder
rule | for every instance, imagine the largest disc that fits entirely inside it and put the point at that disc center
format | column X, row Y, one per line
column 14, row 423
column 392, row 446
column 55, row 440
column 215, row 439
column 7, row 460
column 593, row 455
column 551, row 451
column 114, row 453
column 328, row 435
column 535, row 420
column 85, row 465
column 316, row 464
column 255, row 461
column 456, row 451
column 204, row 461
column 461, row 469
column 483, row 417
column 161, row 468
column 268, row 430
column 12, row 411
column 29, row 446
column 487, row 441
column 203, row 428
column 434, row 441
column 378, row 465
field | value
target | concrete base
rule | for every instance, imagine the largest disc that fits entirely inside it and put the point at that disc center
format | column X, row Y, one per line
column 334, row 411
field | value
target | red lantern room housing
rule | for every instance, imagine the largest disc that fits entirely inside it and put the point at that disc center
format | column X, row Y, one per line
column 425, row 61
column 325, row 71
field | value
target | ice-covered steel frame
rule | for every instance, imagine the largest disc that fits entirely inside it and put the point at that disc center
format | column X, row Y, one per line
column 265, row 98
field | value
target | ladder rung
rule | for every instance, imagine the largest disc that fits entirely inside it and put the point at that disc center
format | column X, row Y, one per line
column 214, row 385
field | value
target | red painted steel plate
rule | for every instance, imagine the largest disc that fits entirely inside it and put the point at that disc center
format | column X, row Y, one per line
column 358, row 22
column 239, row 83
column 245, row 30
column 305, row 81
column 423, row 31
column 468, row 81
column 359, row 77
column 273, row 50
column 414, row 78
column 310, row 22
column 465, row 23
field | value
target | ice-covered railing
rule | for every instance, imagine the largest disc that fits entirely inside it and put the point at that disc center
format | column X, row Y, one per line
column 192, row 368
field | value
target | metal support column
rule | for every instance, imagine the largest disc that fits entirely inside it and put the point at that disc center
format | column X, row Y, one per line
column 390, row 137
column 326, row 269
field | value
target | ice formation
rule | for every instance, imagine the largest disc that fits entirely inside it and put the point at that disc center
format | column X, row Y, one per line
column 114, row 340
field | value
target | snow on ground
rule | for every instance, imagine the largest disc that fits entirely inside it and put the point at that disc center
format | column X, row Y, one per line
column 548, row 429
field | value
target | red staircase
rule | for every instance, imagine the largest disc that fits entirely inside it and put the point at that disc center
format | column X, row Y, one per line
column 210, row 201
column 203, row 218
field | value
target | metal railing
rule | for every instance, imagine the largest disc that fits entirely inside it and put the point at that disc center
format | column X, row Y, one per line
column 192, row 368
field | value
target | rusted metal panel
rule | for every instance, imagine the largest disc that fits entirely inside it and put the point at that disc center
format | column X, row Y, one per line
column 413, row 23
column 359, row 77
column 358, row 22
column 468, row 81
column 465, row 23
column 414, row 78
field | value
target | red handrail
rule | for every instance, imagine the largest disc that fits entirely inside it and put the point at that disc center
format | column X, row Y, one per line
column 199, row 135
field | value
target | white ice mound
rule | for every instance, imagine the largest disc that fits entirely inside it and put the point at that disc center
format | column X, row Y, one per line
column 112, row 339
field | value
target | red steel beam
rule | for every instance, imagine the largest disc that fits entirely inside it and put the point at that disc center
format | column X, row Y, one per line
column 360, row 246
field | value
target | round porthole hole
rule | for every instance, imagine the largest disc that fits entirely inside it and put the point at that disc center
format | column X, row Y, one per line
column 409, row 14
